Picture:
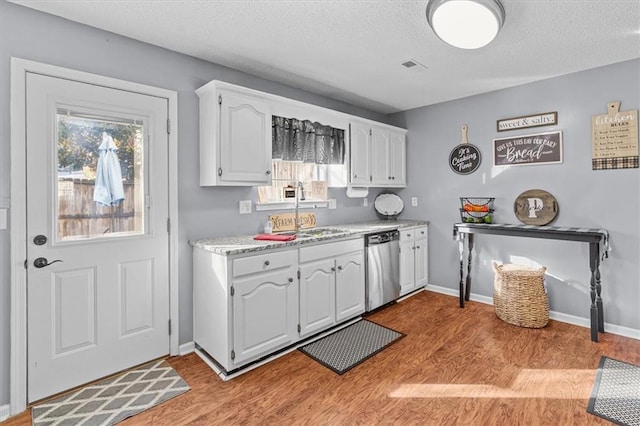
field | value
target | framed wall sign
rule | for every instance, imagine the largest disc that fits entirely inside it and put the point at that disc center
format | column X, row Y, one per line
column 541, row 148
column 464, row 158
column 614, row 140
column 536, row 120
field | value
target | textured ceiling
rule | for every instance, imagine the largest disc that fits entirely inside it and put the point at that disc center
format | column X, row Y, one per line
column 352, row 50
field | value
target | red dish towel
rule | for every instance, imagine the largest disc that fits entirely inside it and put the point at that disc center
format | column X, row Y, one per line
column 274, row 237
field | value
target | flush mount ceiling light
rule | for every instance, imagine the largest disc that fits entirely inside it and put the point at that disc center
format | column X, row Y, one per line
column 467, row 24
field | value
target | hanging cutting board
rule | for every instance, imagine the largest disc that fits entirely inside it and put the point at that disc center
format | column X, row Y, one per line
column 465, row 158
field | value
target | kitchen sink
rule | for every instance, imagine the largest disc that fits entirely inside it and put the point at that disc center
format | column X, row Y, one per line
column 321, row 232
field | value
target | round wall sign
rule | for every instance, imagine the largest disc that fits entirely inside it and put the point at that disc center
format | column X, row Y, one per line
column 465, row 159
column 536, row 207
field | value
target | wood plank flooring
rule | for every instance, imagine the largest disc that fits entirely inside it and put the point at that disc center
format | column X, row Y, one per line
column 454, row 367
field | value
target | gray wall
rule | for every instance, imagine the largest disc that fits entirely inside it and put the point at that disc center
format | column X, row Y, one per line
column 587, row 198
column 203, row 212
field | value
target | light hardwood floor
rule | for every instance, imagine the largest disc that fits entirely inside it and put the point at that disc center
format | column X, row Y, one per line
column 455, row 366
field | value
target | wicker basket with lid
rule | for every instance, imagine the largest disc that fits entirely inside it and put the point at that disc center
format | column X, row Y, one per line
column 519, row 296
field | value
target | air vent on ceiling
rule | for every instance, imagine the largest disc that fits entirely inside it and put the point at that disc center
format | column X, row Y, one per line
column 414, row 65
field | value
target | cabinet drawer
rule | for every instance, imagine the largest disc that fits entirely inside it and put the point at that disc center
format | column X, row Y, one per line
column 406, row 234
column 322, row 251
column 420, row 232
column 263, row 262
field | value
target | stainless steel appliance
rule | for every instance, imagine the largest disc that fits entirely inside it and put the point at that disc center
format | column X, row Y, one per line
column 383, row 270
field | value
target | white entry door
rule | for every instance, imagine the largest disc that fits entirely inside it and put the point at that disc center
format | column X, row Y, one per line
column 97, row 238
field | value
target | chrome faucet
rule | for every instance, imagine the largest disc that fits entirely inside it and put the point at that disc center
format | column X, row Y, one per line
column 298, row 191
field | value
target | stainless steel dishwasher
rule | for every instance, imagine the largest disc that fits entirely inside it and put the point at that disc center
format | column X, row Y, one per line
column 383, row 271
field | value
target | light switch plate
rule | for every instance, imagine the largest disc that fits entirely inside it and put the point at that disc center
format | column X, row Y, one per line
column 3, row 219
column 245, row 207
column 332, row 203
column 414, row 201
column 365, row 201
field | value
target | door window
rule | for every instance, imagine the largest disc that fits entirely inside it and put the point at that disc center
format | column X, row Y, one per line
column 100, row 166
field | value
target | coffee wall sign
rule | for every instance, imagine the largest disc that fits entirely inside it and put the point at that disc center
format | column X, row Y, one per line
column 614, row 140
column 542, row 148
column 464, row 158
column 536, row 120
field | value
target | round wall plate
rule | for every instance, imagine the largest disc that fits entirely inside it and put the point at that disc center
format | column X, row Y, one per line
column 389, row 205
column 536, row 207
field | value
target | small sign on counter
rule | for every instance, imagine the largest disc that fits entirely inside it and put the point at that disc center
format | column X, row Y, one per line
column 287, row 221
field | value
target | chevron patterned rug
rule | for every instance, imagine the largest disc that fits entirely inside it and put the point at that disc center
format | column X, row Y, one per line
column 616, row 392
column 112, row 400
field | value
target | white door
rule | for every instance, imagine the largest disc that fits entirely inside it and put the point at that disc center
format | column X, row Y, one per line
column 317, row 295
column 97, row 275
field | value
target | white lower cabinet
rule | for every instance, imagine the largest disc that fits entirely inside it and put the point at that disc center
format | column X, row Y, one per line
column 413, row 259
column 249, row 306
column 331, row 284
column 245, row 307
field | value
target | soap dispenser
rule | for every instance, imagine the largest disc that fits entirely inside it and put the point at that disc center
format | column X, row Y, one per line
column 267, row 227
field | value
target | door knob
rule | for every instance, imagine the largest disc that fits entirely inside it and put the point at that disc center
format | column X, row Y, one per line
column 41, row 262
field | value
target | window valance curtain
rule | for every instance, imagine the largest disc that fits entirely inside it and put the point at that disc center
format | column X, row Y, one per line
column 302, row 140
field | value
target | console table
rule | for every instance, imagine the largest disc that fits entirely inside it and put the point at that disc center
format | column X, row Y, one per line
column 598, row 240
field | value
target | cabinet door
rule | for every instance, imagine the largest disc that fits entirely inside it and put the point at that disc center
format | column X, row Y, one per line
column 397, row 159
column 359, row 153
column 349, row 285
column 245, row 140
column 407, row 266
column 265, row 313
column 317, row 295
column 380, row 172
column 422, row 260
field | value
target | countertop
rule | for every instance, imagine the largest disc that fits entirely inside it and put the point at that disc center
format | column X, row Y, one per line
column 246, row 244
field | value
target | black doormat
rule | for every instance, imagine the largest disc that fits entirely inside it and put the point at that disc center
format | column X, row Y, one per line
column 346, row 348
column 616, row 392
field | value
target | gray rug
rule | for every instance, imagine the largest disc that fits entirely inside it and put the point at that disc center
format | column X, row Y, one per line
column 616, row 392
column 346, row 348
column 114, row 399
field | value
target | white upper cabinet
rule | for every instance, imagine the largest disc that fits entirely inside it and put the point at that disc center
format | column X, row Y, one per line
column 360, row 155
column 378, row 155
column 235, row 137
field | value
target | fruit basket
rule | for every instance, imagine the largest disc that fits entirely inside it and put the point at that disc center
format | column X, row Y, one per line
column 476, row 209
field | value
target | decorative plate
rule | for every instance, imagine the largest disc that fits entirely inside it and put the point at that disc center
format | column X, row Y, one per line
column 388, row 204
column 536, row 207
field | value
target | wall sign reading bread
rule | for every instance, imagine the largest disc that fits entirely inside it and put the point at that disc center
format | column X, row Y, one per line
column 614, row 139
column 528, row 149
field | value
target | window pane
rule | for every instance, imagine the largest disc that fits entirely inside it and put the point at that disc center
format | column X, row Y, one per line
column 100, row 169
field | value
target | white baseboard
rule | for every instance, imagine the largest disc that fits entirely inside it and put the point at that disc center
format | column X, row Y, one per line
column 186, row 348
column 5, row 410
column 557, row 316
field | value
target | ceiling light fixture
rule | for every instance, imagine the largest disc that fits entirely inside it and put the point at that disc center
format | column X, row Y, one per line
column 467, row 24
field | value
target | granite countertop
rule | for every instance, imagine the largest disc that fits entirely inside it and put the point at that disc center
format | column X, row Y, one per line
column 245, row 243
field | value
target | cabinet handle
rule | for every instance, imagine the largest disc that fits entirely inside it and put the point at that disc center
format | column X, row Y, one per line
column 355, row 176
column 267, row 263
column 417, row 247
column 422, row 232
column 408, row 235
column 333, row 268
column 290, row 280
column 390, row 178
column 268, row 172
column 339, row 268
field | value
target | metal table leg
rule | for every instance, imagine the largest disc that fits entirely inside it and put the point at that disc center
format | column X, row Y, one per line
column 467, row 290
column 596, row 313
column 461, row 238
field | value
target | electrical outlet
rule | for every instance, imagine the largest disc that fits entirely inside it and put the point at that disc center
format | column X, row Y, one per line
column 414, row 201
column 3, row 218
column 365, row 201
column 332, row 203
column 245, row 207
